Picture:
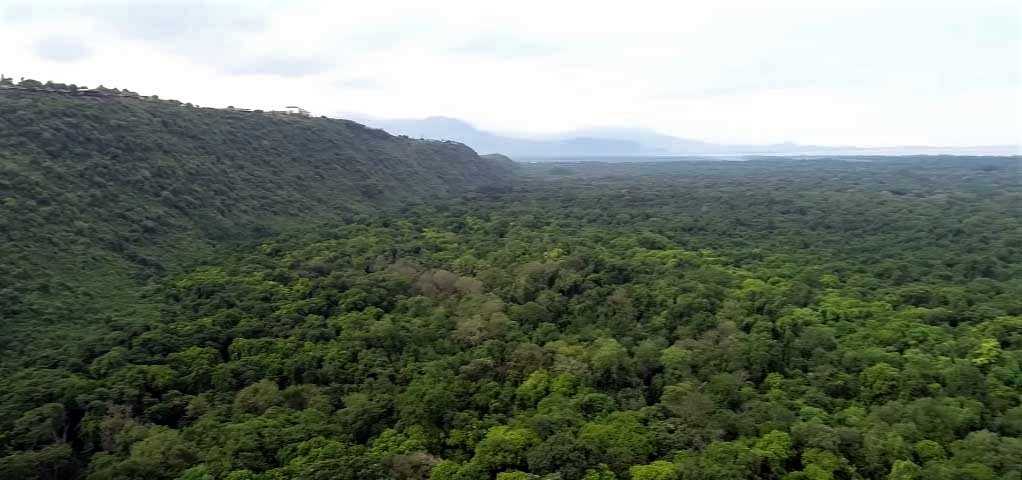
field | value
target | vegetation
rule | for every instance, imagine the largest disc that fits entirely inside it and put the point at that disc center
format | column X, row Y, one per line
column 100, row 195
column 795, row 319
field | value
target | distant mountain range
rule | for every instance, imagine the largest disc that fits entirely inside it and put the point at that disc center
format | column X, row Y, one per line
column 625, row 142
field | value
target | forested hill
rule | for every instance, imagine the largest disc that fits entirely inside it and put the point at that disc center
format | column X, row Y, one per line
column 221, row 161
column 92, row 187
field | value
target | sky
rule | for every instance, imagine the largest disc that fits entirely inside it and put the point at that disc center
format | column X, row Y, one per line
column 862, row 72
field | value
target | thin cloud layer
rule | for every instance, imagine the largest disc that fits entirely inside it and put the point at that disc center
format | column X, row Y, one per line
column 840, row 73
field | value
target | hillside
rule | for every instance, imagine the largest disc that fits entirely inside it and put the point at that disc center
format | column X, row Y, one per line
column 95, row 190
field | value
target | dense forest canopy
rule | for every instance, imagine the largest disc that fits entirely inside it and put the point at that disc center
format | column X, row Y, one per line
column 97, row 192
column 773, row 318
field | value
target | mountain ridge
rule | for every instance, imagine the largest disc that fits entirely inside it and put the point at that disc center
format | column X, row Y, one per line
column 630, row 141
column 101, row 188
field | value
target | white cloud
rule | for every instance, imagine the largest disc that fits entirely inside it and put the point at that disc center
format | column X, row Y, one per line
column 865, row 73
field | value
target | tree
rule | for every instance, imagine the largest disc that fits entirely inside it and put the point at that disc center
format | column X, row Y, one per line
column 53, row 462
column 322, row 459
column 505, row 448
column 620, row 440
column 257, row 398
column 905, row 470
column 41, row 426
column 775, row 448
column 560, row 453
column 686, row 403
column 658, row 470
column 879, row 382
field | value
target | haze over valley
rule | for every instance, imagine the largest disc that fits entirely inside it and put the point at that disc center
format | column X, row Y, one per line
column 634, row 142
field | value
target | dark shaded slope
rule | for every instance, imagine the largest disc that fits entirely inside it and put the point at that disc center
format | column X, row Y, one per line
column 221, row 159
column 93, row 190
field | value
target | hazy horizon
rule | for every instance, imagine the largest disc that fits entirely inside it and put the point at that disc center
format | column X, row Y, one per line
column 873, row 74
column 620, row 132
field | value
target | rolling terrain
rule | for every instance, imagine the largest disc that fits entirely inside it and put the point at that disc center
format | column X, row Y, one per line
column 198, row 294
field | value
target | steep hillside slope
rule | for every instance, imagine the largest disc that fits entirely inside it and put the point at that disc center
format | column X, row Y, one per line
column 92, row 189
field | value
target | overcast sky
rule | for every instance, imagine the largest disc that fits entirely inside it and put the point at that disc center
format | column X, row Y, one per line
column 860, row 72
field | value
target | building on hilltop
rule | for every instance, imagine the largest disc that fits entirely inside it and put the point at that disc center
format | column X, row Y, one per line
column 293, row 110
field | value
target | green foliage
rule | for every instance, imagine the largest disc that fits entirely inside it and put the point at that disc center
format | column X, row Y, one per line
column 504, row 447
column 100, row 195
column 703, row 320
column 776, row 448
column 658, row 470
column 619, row 440
column 257, row 398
